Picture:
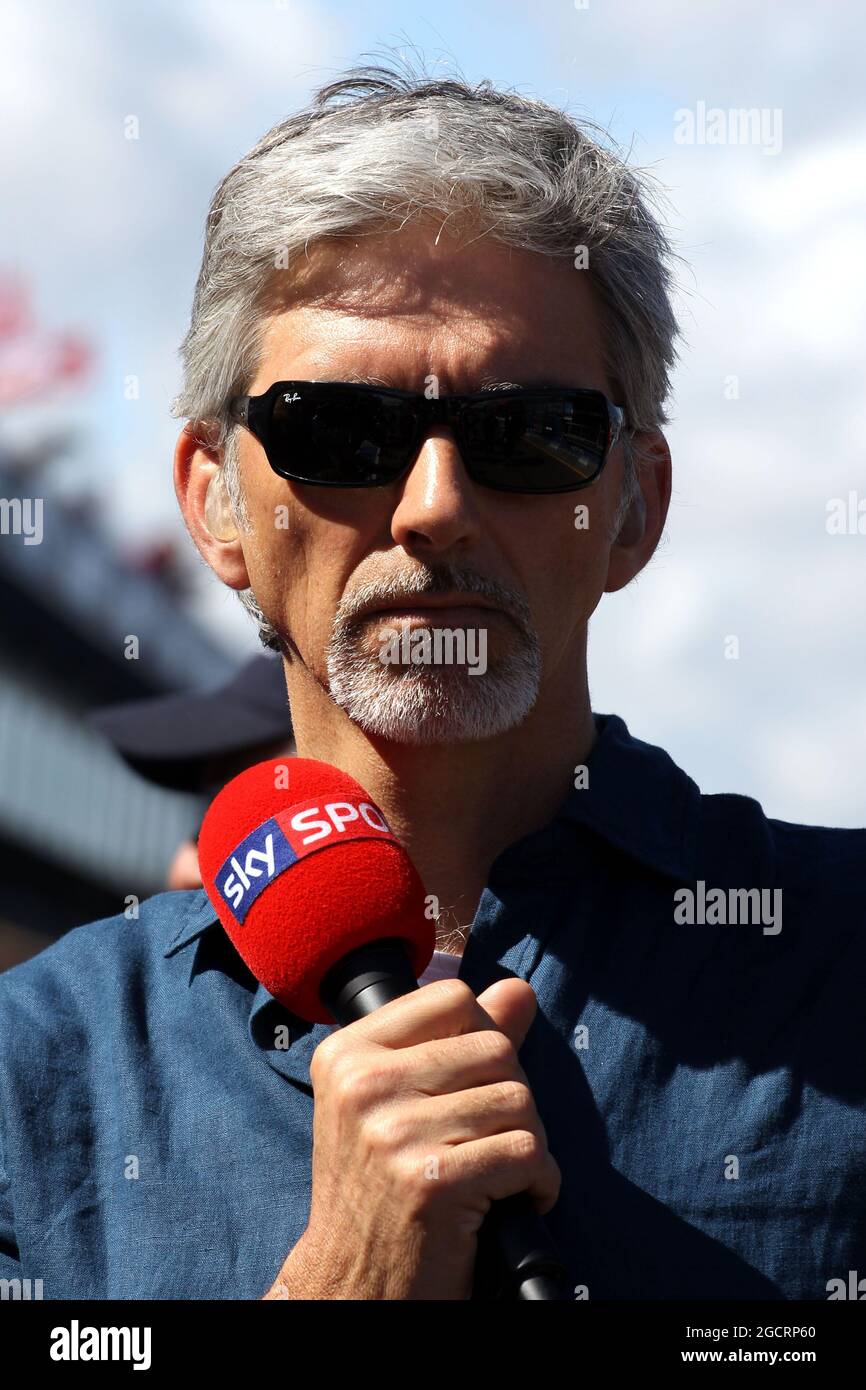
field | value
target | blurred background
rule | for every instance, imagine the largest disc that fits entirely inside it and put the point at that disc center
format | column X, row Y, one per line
column 742, row 648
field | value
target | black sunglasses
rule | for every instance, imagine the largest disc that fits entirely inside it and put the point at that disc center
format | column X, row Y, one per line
column 339, row 434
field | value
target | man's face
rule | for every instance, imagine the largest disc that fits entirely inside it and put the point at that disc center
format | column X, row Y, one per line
column 400, row 309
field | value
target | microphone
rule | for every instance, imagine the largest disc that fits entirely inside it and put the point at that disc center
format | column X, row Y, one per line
column 325, row 907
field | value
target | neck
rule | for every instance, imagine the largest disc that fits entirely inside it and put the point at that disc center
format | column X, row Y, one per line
column 456, row 807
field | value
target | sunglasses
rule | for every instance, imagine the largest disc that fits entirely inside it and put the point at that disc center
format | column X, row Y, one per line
column 338, row 434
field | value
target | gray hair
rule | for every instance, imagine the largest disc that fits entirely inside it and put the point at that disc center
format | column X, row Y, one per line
column 385, row 144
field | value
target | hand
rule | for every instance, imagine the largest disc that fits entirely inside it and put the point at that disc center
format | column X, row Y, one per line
column 422, row 1118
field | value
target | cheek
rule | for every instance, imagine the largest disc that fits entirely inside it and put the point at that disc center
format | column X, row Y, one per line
column 566, row 569
column 299, row 563
column 270, row 554
column 589, row 543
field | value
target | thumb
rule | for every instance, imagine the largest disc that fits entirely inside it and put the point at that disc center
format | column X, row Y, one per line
column 511, row 1005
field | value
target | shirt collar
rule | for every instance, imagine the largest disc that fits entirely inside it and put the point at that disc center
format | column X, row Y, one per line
column 636, row 798
column 196, row 915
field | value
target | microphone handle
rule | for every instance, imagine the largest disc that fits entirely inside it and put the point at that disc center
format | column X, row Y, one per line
column 362, row 982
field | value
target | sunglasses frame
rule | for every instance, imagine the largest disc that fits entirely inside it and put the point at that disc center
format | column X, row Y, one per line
column 255, row 414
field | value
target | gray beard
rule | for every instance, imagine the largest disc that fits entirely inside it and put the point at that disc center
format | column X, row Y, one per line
column 432, row 704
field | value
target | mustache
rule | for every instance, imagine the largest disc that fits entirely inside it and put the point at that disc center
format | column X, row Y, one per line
column 430, row 581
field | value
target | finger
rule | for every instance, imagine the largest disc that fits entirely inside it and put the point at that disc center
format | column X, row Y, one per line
column 446, row 1065
column 443, row 1009
column 512, row 1006
column 464, row 1116
column 503, row 1165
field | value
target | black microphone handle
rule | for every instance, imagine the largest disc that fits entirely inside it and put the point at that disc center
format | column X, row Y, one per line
column 362, row 982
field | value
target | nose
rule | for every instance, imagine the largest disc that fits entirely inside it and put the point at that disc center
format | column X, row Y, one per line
column 438, row 507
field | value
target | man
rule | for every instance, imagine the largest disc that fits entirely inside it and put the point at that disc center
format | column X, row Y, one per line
column 424, row 392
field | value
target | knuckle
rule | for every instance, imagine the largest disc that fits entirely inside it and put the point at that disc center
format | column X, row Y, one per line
column 324, row 1057
column 347, row 1078
column 496, row 1047
column 526, row 1146
column 360, row 1083
column 516, row 1096
column 417, row 1176
column 345, row 1085
column 454, row 992
column 385, row 1133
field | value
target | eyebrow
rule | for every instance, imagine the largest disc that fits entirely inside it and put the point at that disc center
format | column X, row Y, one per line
column 359, row 379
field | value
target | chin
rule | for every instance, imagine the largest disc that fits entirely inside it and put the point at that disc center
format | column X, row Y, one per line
column 423, row 709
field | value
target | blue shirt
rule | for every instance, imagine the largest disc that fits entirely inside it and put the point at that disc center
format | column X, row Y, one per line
column 701, row 1083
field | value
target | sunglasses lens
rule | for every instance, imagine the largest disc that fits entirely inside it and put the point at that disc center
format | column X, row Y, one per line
column 332, row 433
column 350, row 439
column 536, row 443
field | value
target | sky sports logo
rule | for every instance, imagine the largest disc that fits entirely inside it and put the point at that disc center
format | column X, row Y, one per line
column 281, row 841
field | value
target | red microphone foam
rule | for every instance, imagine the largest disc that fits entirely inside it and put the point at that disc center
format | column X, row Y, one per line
column 301, row 869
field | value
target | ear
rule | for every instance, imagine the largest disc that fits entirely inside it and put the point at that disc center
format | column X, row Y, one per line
column 202, row 498
column 644, row 522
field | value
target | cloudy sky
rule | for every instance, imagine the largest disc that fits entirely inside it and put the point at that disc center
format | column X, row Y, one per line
column 768, row 413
